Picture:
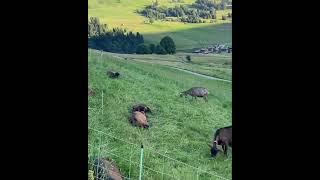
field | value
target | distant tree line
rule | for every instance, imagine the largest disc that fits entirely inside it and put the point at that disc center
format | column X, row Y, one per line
column 166, row 46
column 116, row 40
column 193, row 13
column 120, row 41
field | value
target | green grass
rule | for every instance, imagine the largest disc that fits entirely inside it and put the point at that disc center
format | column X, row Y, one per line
column 180, row 128
column 186, row 36
column 215, row 65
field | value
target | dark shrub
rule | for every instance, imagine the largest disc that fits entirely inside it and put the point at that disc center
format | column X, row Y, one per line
column 143, row 49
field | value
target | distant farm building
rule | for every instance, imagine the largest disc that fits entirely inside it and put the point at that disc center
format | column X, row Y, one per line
column 218, row 48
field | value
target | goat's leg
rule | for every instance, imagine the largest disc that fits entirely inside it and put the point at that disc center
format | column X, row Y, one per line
column 226, row 150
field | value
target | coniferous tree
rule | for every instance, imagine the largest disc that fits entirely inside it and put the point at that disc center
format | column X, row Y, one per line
column 143, row 49
column 152, row 48
column 116, row 40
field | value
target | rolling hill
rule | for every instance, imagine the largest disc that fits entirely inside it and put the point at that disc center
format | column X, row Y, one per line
column 122, row 13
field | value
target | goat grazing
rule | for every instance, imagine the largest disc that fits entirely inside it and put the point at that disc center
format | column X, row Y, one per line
column 223, row 137
column 113, row 74
column 196, row 92
column 139, row 119
column 140, row 108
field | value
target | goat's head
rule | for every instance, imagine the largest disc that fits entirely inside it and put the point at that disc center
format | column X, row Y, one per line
column 213, row 149
column 182, row 94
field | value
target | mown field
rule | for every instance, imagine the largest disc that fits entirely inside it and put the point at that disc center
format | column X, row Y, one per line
column 216, row 65
column 122, row 13
column 180, row 128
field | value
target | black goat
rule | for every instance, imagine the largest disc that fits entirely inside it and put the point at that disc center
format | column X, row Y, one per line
column 223, row 137
column 113, row 74
column 140, row 108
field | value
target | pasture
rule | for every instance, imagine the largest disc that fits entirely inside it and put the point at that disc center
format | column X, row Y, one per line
column 216, row 65
column 180, row 128
column 122, row 13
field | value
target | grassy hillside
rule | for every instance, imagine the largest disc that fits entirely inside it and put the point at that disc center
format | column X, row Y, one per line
column 180, row 128
column 122, row 13
column 216, row 65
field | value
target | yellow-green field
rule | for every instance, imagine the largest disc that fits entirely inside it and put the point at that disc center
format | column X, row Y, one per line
column 187, row 36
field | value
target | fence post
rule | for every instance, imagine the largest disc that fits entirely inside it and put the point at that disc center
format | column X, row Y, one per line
column 197, row 175
column 102, row 103
column 141, row 159
column 130, row 162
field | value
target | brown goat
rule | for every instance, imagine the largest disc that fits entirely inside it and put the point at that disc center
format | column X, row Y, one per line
column 139, row 119
column 104, row 168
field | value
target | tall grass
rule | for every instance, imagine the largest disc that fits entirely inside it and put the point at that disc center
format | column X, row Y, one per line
column 180, row 128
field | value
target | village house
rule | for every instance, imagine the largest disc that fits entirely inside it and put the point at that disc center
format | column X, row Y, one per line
column 217, row 48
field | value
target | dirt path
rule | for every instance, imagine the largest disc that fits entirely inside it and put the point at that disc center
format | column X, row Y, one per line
column 201, row 75
column 190, row 72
